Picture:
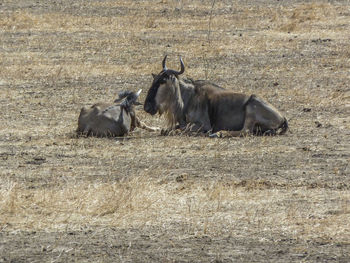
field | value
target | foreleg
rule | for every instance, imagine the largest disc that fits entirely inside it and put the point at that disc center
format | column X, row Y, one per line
column 142, row 125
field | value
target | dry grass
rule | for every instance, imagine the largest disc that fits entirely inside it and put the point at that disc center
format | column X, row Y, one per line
column 213, row 209
column 56, row 58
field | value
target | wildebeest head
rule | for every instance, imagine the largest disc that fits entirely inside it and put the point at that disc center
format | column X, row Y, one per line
column 162, row 89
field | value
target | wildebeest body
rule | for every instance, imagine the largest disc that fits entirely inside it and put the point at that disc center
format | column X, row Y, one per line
column 225, row 107
column 111, row 119
column 105, row 120
column 204, row 106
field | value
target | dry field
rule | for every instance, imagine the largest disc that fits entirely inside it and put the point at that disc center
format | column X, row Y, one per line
column 152, row 198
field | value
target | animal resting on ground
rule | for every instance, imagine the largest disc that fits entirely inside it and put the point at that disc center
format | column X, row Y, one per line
column 199, row 105
column 111, row 119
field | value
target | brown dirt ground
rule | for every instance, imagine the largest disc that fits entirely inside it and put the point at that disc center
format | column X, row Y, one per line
column 151, row 198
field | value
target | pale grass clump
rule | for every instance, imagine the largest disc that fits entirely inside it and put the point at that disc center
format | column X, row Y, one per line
column 302, row 17
column 17, row 21
column 213, row 209
column 9, row 198
column 73, row 203
column 59, row 22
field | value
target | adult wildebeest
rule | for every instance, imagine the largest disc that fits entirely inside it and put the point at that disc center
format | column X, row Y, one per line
column 204, row 106
column 111, row 119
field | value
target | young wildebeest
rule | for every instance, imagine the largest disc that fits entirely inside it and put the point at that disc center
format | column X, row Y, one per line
column 204, row 106
column 111, row 119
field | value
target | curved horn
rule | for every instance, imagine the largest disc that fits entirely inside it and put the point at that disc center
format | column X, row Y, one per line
column 163, row 63
column 178, row 72
column 182, row 67
column 138, row 93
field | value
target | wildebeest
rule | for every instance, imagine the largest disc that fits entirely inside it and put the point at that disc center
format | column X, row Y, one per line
column 204, row 106
column 111, row 119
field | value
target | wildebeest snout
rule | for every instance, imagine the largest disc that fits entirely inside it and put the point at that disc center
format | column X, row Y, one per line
column 150, row 108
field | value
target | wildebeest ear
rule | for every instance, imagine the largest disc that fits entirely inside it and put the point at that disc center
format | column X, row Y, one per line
column 154, row 76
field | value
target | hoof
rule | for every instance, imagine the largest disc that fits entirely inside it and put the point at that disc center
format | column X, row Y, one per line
column 164, row 132
column 215, row 135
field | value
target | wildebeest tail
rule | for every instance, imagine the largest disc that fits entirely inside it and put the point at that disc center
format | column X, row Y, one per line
column 284, row 127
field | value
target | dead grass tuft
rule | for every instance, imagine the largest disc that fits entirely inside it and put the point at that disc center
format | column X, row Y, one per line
column 212, row 209
column 19, row 20
column 303, row 16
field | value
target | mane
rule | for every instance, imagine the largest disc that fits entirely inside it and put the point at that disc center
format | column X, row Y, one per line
column 177, row 107
column 174, row 109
